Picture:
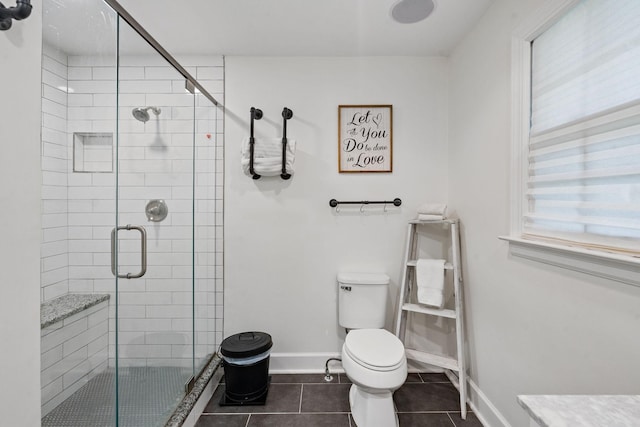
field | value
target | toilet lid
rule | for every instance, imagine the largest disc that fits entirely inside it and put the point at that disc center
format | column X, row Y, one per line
column 376, row 349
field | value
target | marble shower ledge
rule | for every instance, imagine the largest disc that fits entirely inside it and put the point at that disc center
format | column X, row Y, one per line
column 583, row 410
column 213, row 372
column 60, row 308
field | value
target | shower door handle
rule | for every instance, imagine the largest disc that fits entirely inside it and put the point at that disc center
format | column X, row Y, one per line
column 143, row 251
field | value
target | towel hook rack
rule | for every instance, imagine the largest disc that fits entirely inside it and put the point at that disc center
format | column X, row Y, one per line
column 395, row 202
column 286, row 115
column 256, row 114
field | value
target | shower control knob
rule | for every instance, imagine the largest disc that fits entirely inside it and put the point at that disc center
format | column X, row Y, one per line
column 156, row 210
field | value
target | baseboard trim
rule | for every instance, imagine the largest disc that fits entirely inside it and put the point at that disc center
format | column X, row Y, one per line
column 485, row 411
column 303, row 363
column 314, row 363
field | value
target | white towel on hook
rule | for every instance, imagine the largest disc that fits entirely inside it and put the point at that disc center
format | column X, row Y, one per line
column 430, row 281
column 267, row 156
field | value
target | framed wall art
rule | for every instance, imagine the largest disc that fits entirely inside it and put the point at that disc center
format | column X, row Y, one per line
column 365, row 138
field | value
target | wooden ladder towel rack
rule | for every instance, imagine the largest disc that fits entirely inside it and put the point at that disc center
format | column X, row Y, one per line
column 455, row 367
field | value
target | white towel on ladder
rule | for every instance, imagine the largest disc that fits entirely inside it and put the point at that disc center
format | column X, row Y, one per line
column 430, row 281
column 438, row 209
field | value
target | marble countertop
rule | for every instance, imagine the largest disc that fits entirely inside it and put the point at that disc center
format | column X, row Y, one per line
column 60, row 308
column 583, row 410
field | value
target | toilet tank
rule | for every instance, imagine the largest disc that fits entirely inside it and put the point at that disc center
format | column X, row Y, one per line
column 362, row 300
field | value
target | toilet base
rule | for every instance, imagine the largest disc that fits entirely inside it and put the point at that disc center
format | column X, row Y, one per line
column 372, row 409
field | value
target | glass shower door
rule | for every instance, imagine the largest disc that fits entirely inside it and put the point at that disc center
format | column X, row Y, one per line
column 153, row 243
column 131, row 181
column 79, row 80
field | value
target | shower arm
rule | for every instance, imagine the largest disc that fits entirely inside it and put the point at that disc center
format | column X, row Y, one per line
column 19, row 12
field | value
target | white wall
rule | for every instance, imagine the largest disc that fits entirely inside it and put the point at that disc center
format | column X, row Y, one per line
column 284, row 245
column 533, row 328
column 20, row 56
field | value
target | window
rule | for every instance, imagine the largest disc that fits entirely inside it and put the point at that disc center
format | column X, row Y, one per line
column 583, row 182
column 576, row 130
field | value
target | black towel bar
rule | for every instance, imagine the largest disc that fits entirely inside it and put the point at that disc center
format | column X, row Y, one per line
column 286, row 115
column 395, row 202
column 256, row 114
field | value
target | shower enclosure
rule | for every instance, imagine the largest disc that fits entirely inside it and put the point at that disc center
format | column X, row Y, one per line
column 132, row 199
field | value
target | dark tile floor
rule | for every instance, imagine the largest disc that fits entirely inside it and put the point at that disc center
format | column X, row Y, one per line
column 306, row 400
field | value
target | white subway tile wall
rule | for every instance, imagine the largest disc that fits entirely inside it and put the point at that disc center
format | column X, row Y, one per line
column 73, row 351
column 54, row 268
column 155, row 161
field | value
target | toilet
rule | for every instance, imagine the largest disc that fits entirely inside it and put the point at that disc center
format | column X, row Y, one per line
column 373, row 358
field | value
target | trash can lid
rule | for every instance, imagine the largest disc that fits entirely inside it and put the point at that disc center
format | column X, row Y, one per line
column 246, row 344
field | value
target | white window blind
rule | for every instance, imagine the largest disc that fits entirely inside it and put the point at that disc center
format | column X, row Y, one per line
column 584, row 150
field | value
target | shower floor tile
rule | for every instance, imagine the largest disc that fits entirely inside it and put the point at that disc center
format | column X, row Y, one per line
column 148, row 396
column 306, row 400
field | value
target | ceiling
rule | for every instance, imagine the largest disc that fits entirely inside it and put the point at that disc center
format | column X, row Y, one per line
column 302, row 27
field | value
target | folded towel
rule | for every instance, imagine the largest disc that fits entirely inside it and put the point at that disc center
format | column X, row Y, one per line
column 433, row 209
column 426, row 217
column 267, row 156
column 430, row 281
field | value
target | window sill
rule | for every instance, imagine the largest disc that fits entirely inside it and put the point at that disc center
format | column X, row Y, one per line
column 620, row 268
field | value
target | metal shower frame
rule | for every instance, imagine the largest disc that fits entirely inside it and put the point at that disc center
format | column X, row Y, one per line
column 191, row 82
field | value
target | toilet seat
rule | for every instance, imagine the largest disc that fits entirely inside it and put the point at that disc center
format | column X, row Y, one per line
column 375, row 349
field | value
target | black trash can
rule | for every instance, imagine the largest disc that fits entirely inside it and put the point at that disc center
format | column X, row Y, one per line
column 245, row 359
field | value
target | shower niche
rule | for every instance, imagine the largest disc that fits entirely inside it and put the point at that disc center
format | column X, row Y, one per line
column 92, row 152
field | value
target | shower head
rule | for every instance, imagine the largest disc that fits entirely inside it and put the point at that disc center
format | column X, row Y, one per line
column 141, row 114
